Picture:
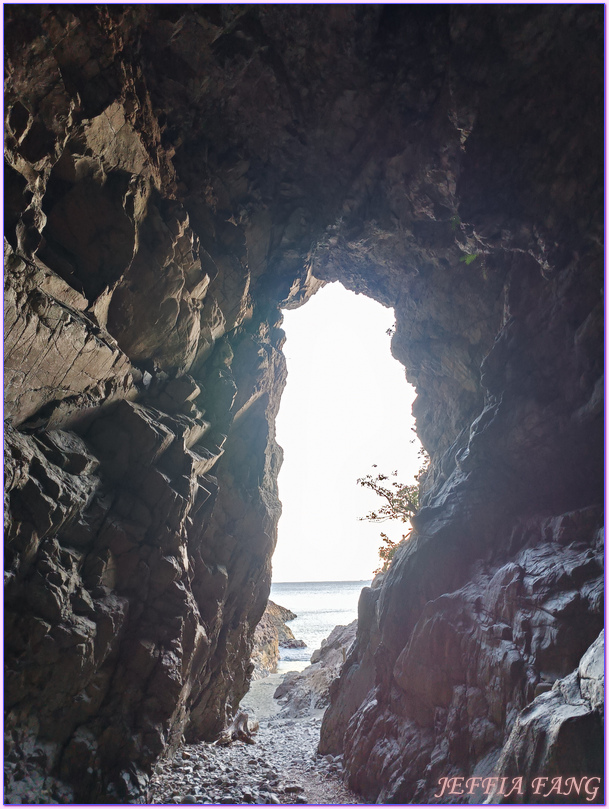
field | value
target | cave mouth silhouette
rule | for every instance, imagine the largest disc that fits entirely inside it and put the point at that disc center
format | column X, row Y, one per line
column 345, row 413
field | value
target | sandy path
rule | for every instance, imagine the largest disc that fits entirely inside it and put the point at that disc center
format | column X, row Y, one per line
column 282, row 767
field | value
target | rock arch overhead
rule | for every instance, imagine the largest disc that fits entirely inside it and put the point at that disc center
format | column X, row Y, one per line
column 174, row 175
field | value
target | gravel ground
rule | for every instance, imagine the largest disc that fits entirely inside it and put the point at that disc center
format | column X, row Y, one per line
column 281, row 767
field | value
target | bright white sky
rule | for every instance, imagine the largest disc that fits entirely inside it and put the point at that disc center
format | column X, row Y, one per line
column 346, row 406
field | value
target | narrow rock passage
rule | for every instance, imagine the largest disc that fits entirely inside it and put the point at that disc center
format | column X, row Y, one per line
column 282, row 767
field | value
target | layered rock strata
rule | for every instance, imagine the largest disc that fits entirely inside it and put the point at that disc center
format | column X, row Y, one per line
column 272, row 633
column 174, row 175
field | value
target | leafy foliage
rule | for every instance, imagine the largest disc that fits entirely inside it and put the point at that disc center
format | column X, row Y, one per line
column 469, row 257
column 386, row 552
column 400, row 502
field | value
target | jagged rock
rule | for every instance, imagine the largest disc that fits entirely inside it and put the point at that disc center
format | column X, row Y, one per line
column 271, row 633
column 558, row 735
column 175, row 175
column 306, row 691
column 475, row 657
column 54, row 358
column 293, row 643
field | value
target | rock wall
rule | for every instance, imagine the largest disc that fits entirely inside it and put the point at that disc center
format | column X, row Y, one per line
column 174, row 175
column 271, row 633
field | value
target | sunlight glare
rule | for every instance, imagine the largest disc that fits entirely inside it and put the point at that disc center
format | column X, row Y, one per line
column 346, row 407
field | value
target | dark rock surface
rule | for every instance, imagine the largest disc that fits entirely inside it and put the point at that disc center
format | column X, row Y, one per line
column 271, row 633
column 174, row 175
column 557, row 733
column 475, row 659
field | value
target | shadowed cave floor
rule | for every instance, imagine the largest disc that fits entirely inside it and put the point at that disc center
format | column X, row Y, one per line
column 282, row 767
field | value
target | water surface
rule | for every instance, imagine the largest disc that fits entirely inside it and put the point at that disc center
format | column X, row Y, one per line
column 320, row 606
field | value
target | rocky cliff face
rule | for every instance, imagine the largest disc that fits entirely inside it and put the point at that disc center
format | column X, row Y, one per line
column 174, row 175
column 305, row 693
column 271, row 633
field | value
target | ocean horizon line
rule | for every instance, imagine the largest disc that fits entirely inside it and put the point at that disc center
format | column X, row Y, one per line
column 324, row 581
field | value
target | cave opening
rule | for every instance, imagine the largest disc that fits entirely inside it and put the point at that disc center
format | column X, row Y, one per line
column 345, row 411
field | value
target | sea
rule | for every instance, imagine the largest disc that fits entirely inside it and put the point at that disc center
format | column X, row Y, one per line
column 320, row 606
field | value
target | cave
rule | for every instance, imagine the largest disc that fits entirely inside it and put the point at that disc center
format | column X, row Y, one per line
column 175, row 176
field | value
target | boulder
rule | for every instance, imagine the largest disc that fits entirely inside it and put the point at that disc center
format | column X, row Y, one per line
column 303, row 693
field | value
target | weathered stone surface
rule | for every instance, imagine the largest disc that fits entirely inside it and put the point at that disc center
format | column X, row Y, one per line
column 303, row 693
column 475, row 657
column 271, row 633
column 53, row 355
column 175, row 175
column 558, row 735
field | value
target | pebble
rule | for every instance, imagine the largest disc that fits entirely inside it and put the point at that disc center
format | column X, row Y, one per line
column 273, row 772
